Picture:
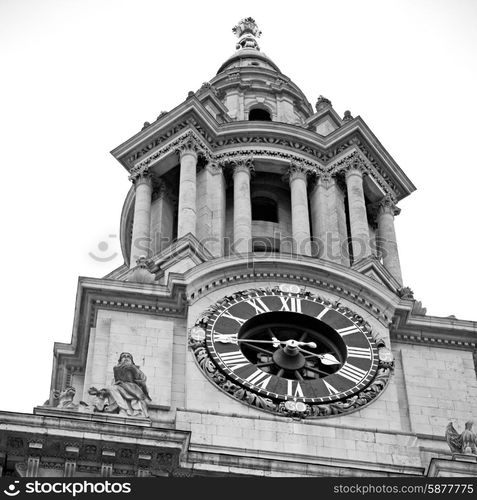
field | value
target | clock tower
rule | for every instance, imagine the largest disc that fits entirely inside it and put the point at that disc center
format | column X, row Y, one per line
column 260, row 324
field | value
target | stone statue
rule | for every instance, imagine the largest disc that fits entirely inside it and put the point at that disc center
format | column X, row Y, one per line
column 462, row 443
column 128, row 395
column 64, row 398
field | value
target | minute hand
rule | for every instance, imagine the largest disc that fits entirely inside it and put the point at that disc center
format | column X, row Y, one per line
column 326, row 359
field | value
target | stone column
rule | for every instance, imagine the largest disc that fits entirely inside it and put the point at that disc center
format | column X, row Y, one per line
column 357, row 211
column 141, row 238
column 211, row 208
column 324, row 218
column 299, row 208
column 387, row 243
column 187, row 211
column 242, row 206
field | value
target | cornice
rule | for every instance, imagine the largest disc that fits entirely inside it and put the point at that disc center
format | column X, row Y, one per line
column 94, row 294
column 340, row 280
column 432, row 330
column 322, row 152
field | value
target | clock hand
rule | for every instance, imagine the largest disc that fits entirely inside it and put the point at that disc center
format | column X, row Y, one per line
column 326, row 359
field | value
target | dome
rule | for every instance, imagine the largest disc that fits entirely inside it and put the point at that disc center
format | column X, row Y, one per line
column 252, row 85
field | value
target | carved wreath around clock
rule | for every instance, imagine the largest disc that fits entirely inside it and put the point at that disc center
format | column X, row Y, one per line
column 291, row 353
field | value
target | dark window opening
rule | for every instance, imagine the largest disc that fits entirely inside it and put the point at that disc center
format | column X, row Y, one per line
column 258, row 114
column 264, row 209
column 263, row 244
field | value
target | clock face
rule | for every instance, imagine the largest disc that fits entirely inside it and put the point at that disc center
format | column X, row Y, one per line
column 291, row 352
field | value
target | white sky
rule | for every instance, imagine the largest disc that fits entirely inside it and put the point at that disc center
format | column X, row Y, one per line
column 81, row 76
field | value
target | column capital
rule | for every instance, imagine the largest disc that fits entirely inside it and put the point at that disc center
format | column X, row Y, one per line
column 242, row 164
column 354, row 165
column 387, row 205
column 296, row 170
column 189, row 145
column 141, row 177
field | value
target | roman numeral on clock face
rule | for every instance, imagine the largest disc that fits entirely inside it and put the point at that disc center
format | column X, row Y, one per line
column 351, row 372
column 331, row 389
column 225, row 339
column 240, row 321
column 323, row 312
column 294, row 389
column 259, row 378
column 291, row 304
column 348, row 330
column 259, row 306
column 359, row 352
column 234, row 360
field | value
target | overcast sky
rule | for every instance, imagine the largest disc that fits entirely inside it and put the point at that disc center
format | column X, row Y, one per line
column 82, row 76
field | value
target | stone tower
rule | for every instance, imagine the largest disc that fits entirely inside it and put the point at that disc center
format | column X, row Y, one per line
column 259, row 324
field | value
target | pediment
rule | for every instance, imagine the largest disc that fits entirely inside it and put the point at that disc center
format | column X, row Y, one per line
column 182, row 255
column 373, row 268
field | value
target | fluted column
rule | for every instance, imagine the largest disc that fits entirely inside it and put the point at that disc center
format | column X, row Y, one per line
column 357, row 211
column 141, row 237
column 187, row 211
column 299, row 205
column 387, row 243
column 242, row 206
column 324, row 218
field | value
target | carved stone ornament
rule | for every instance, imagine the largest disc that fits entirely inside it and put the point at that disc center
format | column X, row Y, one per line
column 64, row 399
column 466, row 442
column 243, row 344
column 247, row 32
column 127, row 395
column 297, row 170
column 347, row 116
column 405, row 293
column 322, row 103
column 388, row 205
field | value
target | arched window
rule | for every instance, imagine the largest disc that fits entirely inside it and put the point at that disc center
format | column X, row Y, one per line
column 264, row 209
column 259, row 114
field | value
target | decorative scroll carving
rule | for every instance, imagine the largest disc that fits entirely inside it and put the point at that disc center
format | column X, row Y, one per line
column 466, row 442
column 354, row 161
column 142, row 177
column 297, row 170
column 239, row 163
column 174, row 146
column 293, row 409
column 128, row 395
column 388, row 205
column 189, row 144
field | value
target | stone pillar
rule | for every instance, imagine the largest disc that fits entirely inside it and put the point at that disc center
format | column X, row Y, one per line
column 211, row 208
column 324, row 218
column 141, row 240
column 242, row 206
column 387, row 243
column 357, row 211
column 33, row 466
column 187, row 212
column 299, row 208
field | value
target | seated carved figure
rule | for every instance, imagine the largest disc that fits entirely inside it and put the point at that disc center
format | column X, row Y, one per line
column 128, row 395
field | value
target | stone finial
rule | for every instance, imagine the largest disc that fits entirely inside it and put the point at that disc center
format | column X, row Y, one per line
column 405, row 293
column 247, row 32
column 347, row 116
column 322, row 103
column 146, row 124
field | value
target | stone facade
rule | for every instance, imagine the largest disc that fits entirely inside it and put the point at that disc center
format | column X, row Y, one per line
column 209, row 182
